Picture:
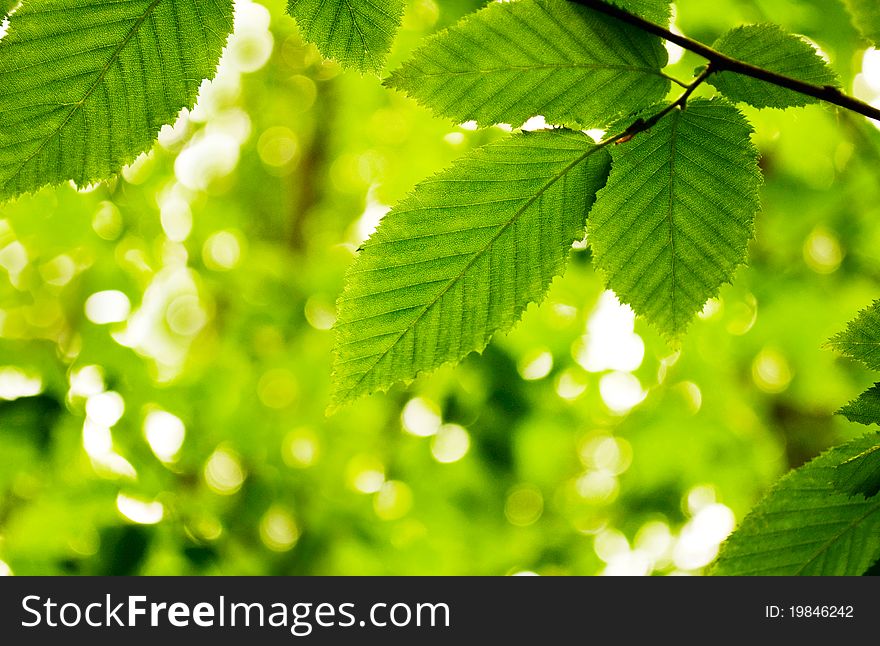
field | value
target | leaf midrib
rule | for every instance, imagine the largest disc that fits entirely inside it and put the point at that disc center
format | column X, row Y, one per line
column 354, row 21
column 648, row 71
column 477, row 254
column 79, row 104
column 675, row 123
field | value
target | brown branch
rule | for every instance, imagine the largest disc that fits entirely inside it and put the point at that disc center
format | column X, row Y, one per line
column 723, row 63
column 641, row 125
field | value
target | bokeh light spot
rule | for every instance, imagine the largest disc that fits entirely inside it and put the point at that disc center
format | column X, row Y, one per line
column 320, row 314
column 421, row 417
column 300, row 448
column 524, row 505
column 450, row 444
column 621, row 391
column 536, row 365
column 822, row 251
column 770, row 371
column 277, row 388
column 366, row 474
column 393, row 500
column 278, row 147
column 185, row 315
column 105, row 409
column 165, row 434
column 223, row 472
column 109, row 306
column 278, row 529
column 221, row 251
column 139, row 511
column 15, row 383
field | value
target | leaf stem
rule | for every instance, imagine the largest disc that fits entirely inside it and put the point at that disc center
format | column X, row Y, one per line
column 674, row 80
column 724, row 63
column 640, row 125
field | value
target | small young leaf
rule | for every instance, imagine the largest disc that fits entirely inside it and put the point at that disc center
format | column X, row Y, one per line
column 865, row 409
column 356, row 33
column 860, row 475
column 866, row 17
column 512, row 61
column 657, row 11
column 462, row 257
column 861, row 338
column 86, row 86
column 806, row 526
column 770, row 47
column 677, row 214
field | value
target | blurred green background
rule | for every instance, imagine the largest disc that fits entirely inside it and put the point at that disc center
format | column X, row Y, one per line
column 165, row 346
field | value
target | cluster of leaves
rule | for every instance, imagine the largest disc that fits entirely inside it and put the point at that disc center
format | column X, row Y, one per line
column 464, row 255
column 823, row 518
column 667, row 199
column 471, row 248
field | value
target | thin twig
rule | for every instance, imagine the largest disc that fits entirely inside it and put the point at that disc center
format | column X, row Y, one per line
column 724, row 63
column 640, row 125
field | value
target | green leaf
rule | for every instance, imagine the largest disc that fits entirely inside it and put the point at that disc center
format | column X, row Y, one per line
column 860, row 475
column 87, row 86
column 677, row 214
column 806, row 526
column 512, row 61
column 770, row 47
column 861, row 338
column 462, row 256
column 657, row 11
column 866, row 17
column 356, row 33
column 866, row 408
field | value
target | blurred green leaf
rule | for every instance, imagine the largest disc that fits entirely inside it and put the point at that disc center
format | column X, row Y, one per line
column 79, row 103
column 29, row 418
column 866, row 16
column 770, row 47
column 357, row 33
column 512, row 61
column 806, row 526
column 677, row 214
column 462, row 257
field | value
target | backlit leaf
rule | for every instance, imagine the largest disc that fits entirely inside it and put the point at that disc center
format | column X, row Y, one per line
column 865, row 409
column 860, row 475
column 677, row 214
column 866, row 16
column 357, row 33
column 88, row 85
column 512, row 61
column 462, row 257
column 861, row 338
column 771, row 48
column 807, row 526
